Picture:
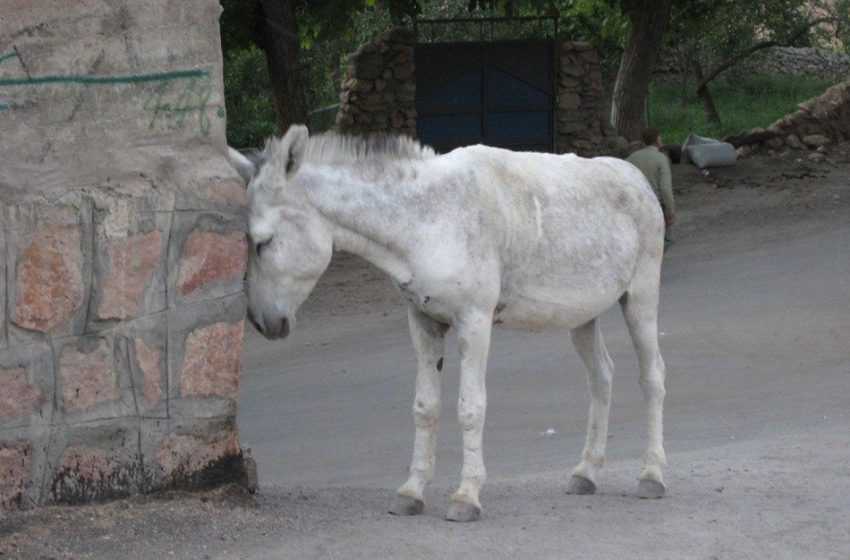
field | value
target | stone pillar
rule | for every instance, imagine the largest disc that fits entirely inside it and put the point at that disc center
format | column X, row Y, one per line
column 581, row 117
column 122, row 252
column 379, row 88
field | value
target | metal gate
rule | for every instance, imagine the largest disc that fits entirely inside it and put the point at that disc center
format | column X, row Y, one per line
column 499, row 93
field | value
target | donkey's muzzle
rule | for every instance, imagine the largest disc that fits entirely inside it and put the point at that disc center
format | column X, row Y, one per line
column 254, row 322
column 283, row 328
column 269, row 327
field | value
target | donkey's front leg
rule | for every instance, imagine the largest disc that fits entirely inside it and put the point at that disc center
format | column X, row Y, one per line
column 428, row 342
column 474, row 340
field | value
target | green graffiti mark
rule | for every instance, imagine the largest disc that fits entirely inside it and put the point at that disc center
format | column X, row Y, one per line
column 131, row 79
column 192, row 100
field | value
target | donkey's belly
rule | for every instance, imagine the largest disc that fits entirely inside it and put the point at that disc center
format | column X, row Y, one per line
column 576, row 272
column 558, row 299
column 536, row 313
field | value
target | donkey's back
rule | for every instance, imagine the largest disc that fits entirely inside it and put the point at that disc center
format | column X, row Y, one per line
column 571, row 232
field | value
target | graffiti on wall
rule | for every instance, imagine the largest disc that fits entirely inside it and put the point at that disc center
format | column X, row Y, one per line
column 7, row 56
column 178, row 105
column 181, row 98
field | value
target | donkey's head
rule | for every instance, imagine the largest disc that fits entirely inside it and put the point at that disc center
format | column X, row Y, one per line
column 291, row 245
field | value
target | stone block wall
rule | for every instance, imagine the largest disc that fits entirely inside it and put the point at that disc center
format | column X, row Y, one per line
column 379, row 95
column 379, row 88
column 122, row 252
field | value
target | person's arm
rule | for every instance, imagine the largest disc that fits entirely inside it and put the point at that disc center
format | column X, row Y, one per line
column 666, row 188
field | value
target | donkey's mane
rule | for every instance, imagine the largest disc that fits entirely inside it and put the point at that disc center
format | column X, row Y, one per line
column 331, row 147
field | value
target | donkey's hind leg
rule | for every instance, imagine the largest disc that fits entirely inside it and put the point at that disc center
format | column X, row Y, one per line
column 588, row 342
column 640, row 308
column 428, row 342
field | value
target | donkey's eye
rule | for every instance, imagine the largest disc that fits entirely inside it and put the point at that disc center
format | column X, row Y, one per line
column 259, row 246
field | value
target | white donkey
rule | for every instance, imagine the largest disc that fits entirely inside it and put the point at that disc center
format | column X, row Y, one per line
column 476, row 237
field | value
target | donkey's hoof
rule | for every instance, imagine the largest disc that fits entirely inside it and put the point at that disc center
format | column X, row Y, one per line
column 650, row 489
column 462, row 512
column 405, row 505
column 581, row 485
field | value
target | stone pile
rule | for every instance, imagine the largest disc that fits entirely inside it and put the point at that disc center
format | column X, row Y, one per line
column 816, row 123
column 379, row 87
column 122, row 252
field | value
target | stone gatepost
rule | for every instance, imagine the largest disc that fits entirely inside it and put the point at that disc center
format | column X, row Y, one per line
column 379, row 88
column 122, row 252
column 581, row 116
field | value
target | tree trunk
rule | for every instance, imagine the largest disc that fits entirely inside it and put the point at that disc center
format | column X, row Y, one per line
column 276, row 33
column 708, row 107
column 650, row 20
column 704, row 94
column 684, row 70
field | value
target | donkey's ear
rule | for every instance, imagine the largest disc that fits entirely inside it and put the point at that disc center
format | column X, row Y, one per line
column 244, row 166
column 291, row 149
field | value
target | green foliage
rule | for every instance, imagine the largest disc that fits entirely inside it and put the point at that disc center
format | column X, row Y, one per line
column 247, row 96
column 599, row 23
column 236, row 24
column 329, row 31
column 745, row 103
column 324, row 61
column 710, row 32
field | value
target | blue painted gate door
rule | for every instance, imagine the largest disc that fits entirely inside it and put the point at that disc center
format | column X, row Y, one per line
column 497, row 93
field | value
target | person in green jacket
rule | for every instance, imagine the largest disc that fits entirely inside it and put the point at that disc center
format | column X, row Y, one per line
column 656, row 166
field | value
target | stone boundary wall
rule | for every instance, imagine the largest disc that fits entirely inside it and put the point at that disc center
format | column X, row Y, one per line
column 816, row 123
column 799, row 61
column 122, row 252
column 379, row 95
column 778, row 61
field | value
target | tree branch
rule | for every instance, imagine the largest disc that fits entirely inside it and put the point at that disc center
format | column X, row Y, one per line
column 754, row 48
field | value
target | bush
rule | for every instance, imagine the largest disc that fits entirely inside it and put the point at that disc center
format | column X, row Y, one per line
column 743, row 102
column 247, row 96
